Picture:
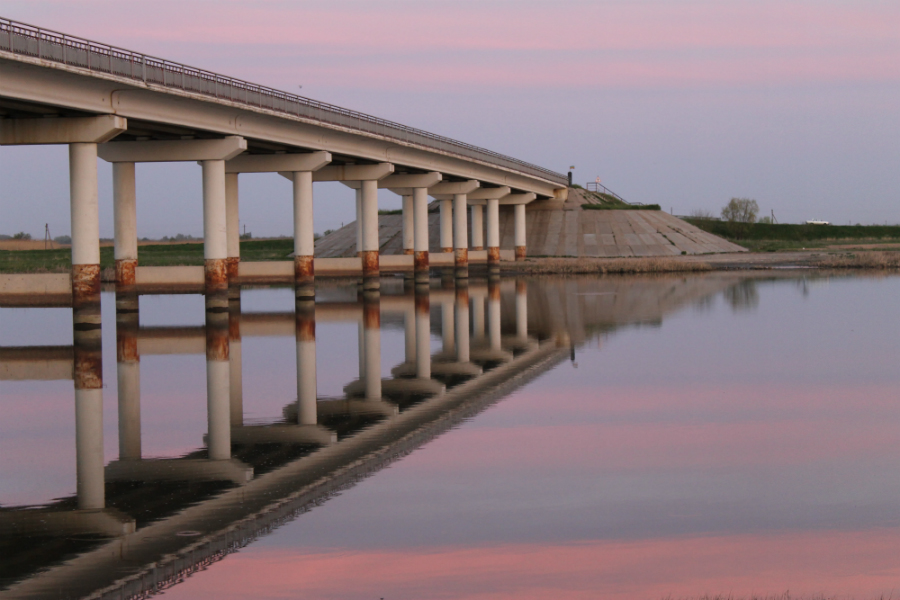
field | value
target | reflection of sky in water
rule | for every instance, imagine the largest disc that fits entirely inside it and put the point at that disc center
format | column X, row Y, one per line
column 746, row 445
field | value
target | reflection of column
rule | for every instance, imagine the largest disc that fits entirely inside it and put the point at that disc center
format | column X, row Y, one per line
column 477, row 317
column 519, row 214
column 446, row 226
column 218, row 380
column 447, row 327
column 420, row 218
column 494, row 314
column 235, row 363
column 461, row 235
column 232, row 231
column 423, row 334
column 409, row 335
column 125, row 219
column 88, row 371
column 128, row 372
column 462, row 323
column 306, row 363
column 477, row 227
column 521, row 309
column 89, row 448
column 372, row 341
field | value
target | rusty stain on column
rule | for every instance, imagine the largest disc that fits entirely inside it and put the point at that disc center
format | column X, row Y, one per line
column 304, row 277
column 125, row 272
column 85, row 286
column 370, row 264
column 232, row 268
column 520, row 252
column 215, row 271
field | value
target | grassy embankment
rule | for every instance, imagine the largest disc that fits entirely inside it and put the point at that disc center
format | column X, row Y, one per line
column 151, row 255
column 603, row 201
column 764, row 237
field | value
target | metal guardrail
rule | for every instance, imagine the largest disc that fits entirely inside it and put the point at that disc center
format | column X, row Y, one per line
column 594, row 186
column 45, row 44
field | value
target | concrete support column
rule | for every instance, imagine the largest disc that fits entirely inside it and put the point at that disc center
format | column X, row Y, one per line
column 372, row 343
column 462, row 322
column 215, row 244
column 420, row 218
column 218, row 383
column 494, row 331
column 521, row 309
column 233, row 230
column 493, row 232
column 370, row 267
column 304, row 236
column 85, row 220
column 461, row 235
column 125, row 223
column 359, row 222
column 235, row 364
column 408, row 226
column 446, row 226
column 477, row 227
column 128, row 372
column 423, row 335
column 520, row 231
column 90, row 480
column 307, row 390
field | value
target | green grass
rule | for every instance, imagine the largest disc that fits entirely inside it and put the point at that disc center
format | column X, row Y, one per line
column 159, row 255
column 804, row 235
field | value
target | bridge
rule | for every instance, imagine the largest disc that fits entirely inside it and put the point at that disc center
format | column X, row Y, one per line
column 125, row 108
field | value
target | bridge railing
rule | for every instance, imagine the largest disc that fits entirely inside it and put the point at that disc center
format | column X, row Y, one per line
column 44, row 44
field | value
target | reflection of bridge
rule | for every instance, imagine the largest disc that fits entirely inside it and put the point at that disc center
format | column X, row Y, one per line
column 249, row 478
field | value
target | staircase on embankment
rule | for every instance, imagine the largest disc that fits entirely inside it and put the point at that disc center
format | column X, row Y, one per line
column 559, row 228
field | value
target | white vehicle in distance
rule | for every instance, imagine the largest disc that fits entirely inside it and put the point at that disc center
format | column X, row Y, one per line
column 814, row 222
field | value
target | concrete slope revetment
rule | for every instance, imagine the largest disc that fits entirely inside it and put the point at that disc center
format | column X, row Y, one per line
column 559, row 228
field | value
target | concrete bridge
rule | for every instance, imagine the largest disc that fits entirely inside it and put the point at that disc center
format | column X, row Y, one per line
column 125, row 107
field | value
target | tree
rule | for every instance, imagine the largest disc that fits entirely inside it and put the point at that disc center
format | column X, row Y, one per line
column 741, row 210
column 22, row 236
column 740, row 214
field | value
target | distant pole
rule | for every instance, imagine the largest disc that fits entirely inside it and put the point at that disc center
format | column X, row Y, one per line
column 46, row 236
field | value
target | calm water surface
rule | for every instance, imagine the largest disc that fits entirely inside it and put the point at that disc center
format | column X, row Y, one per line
column 568, row 438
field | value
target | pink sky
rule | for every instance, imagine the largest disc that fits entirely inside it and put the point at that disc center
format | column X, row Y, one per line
column 685, row 103
column 513, row 44
column 859, row 564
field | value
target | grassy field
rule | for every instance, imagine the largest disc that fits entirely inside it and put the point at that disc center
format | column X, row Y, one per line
column 155, row 255
column 765, row 237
